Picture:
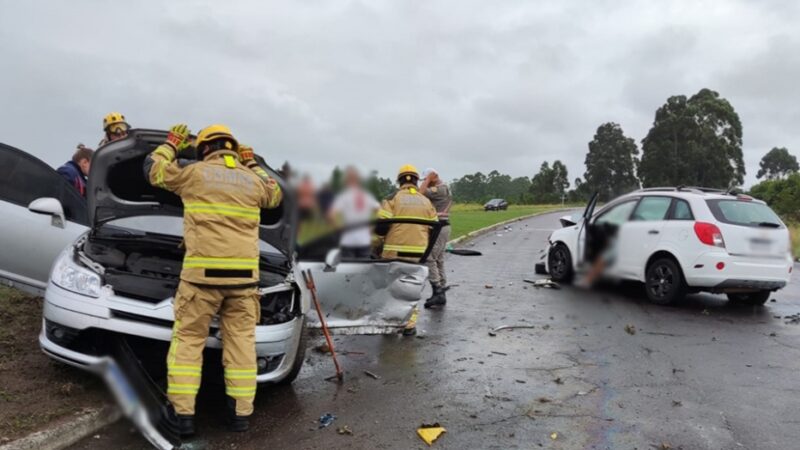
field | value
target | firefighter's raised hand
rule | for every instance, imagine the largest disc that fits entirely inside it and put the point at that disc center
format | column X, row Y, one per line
column 245, row 153
column 178, row 137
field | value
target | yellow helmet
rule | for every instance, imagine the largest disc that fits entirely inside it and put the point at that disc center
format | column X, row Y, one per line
column 406, row 172
column 113, row 118
column 214, row 132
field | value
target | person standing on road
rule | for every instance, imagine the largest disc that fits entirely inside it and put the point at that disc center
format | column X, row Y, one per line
column 223, row 194
column 438, row 193
column 76, row 170
column 354, row 206
column 407, row 241
column 115, row 128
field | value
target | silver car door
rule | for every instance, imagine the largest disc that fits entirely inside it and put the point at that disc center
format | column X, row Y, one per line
column 363, row 296
column 40, row 215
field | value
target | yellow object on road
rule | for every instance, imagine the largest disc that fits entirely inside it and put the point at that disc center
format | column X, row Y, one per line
column 430, row 433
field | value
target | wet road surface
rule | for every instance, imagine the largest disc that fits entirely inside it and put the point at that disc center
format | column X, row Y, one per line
column 701, row 375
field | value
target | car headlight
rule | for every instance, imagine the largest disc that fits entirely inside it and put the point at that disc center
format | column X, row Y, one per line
column 72, row 277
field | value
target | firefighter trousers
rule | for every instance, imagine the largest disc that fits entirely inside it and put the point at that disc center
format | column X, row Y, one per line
column 239, row 312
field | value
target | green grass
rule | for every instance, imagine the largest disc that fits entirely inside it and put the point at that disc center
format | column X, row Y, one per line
column 794, row 230
column 465, row 218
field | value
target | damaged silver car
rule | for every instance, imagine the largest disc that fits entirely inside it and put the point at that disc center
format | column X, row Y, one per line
column 116, row 261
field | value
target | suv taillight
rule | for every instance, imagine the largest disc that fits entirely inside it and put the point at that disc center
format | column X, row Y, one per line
column 709, row 234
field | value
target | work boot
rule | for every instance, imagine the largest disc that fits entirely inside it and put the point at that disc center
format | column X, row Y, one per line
column 437, row 299
column 239, row 424
column 185, row 425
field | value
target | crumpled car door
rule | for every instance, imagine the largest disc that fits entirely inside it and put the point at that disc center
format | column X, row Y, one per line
column 364, row 296
column 40, row 215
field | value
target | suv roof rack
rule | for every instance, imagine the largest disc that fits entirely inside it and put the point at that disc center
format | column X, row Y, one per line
column 695, row 189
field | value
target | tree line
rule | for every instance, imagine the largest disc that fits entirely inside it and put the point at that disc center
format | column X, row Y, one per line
column 694, row 141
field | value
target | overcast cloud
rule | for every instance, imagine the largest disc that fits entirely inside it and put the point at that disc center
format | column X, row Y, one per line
column 463, row 86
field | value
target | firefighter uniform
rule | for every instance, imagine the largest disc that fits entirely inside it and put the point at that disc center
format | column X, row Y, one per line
column 406, row 241
column 222, row 201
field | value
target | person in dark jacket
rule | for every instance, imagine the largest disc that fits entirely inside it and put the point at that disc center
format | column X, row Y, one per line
column 76, row 171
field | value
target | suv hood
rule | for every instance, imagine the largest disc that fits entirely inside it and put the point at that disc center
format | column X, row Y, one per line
column 117, row 189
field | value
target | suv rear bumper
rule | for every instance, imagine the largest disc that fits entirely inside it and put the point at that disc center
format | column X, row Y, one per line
column 79, row 313
column 739, row 272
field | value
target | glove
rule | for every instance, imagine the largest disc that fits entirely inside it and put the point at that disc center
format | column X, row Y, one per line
column 178, row 137
column 246, row 154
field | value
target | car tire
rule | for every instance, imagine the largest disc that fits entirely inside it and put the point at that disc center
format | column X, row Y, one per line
column 299, row 357
column 750, row 298
column 559, row 263
column 664, row 283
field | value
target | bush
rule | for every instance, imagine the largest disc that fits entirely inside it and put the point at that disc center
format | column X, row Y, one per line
column 783, row 196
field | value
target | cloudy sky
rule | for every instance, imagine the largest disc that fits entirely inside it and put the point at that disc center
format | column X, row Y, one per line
column 462, row 86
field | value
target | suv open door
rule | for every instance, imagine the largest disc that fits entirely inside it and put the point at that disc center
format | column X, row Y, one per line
column 41, row 214
column 368, row 295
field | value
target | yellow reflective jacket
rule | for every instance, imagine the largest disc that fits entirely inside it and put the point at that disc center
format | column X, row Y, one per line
column 406, row 240
column 222, row 201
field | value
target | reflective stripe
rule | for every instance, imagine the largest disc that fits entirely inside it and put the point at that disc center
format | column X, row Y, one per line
column 166, row 153
column 384, row 214
column 220, row 263
column 162, row 166
column 229, row 161
column 426, row 219
column 174, row 388
column 223, row 209
column 241, row 371
column 240, row 391
column 241, row 374
column 405, row 248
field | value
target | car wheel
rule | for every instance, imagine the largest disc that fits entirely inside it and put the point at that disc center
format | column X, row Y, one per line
column 664, row 282
column 750, row 298
column 299, row 357
column 559, row 263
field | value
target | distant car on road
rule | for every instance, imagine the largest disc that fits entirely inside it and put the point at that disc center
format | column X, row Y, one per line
column 682, row 240
column 495, row 204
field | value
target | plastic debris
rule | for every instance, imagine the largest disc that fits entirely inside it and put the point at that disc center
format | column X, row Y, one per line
column 430, row 432
column 543, row 283
column 554, row 435
column 465, row 252
column 507, row 327
column 371, row 375
column 345, row 430
column 326, row 419
column 488, row 286
column 630, row 329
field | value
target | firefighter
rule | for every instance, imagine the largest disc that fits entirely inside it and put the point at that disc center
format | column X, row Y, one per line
column 438, row 193
column 222, row 195
column 115, row 128
column 407, row 241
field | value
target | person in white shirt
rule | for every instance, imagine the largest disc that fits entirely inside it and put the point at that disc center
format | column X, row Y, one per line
column 353, row 206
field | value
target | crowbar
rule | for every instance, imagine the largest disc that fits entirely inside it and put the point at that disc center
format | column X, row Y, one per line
column 309, row 279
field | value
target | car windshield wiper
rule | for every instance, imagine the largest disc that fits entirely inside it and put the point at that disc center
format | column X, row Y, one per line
column 769, row 224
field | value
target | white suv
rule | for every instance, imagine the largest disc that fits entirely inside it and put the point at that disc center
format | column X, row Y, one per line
column 681, row 240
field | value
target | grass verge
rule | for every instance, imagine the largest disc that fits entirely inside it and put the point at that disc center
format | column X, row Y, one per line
column 35, row 391
column 794, row 231
column 465, row 218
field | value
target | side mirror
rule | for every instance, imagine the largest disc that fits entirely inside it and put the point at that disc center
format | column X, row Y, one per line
column 51, row 207
column 332, row 259
column 567, row 221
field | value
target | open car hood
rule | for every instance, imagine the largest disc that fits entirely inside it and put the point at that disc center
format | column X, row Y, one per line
column 117, row 189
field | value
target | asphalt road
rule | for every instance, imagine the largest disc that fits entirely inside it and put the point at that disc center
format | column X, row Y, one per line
column 701, row 375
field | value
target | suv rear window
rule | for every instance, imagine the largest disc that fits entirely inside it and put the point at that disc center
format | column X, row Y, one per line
column 746, row 213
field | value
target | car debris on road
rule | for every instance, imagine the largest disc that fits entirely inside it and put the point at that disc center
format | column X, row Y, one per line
column 430, row 432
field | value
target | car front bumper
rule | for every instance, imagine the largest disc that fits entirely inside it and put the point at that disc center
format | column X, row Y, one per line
column 737, row 272
column 81, row 313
